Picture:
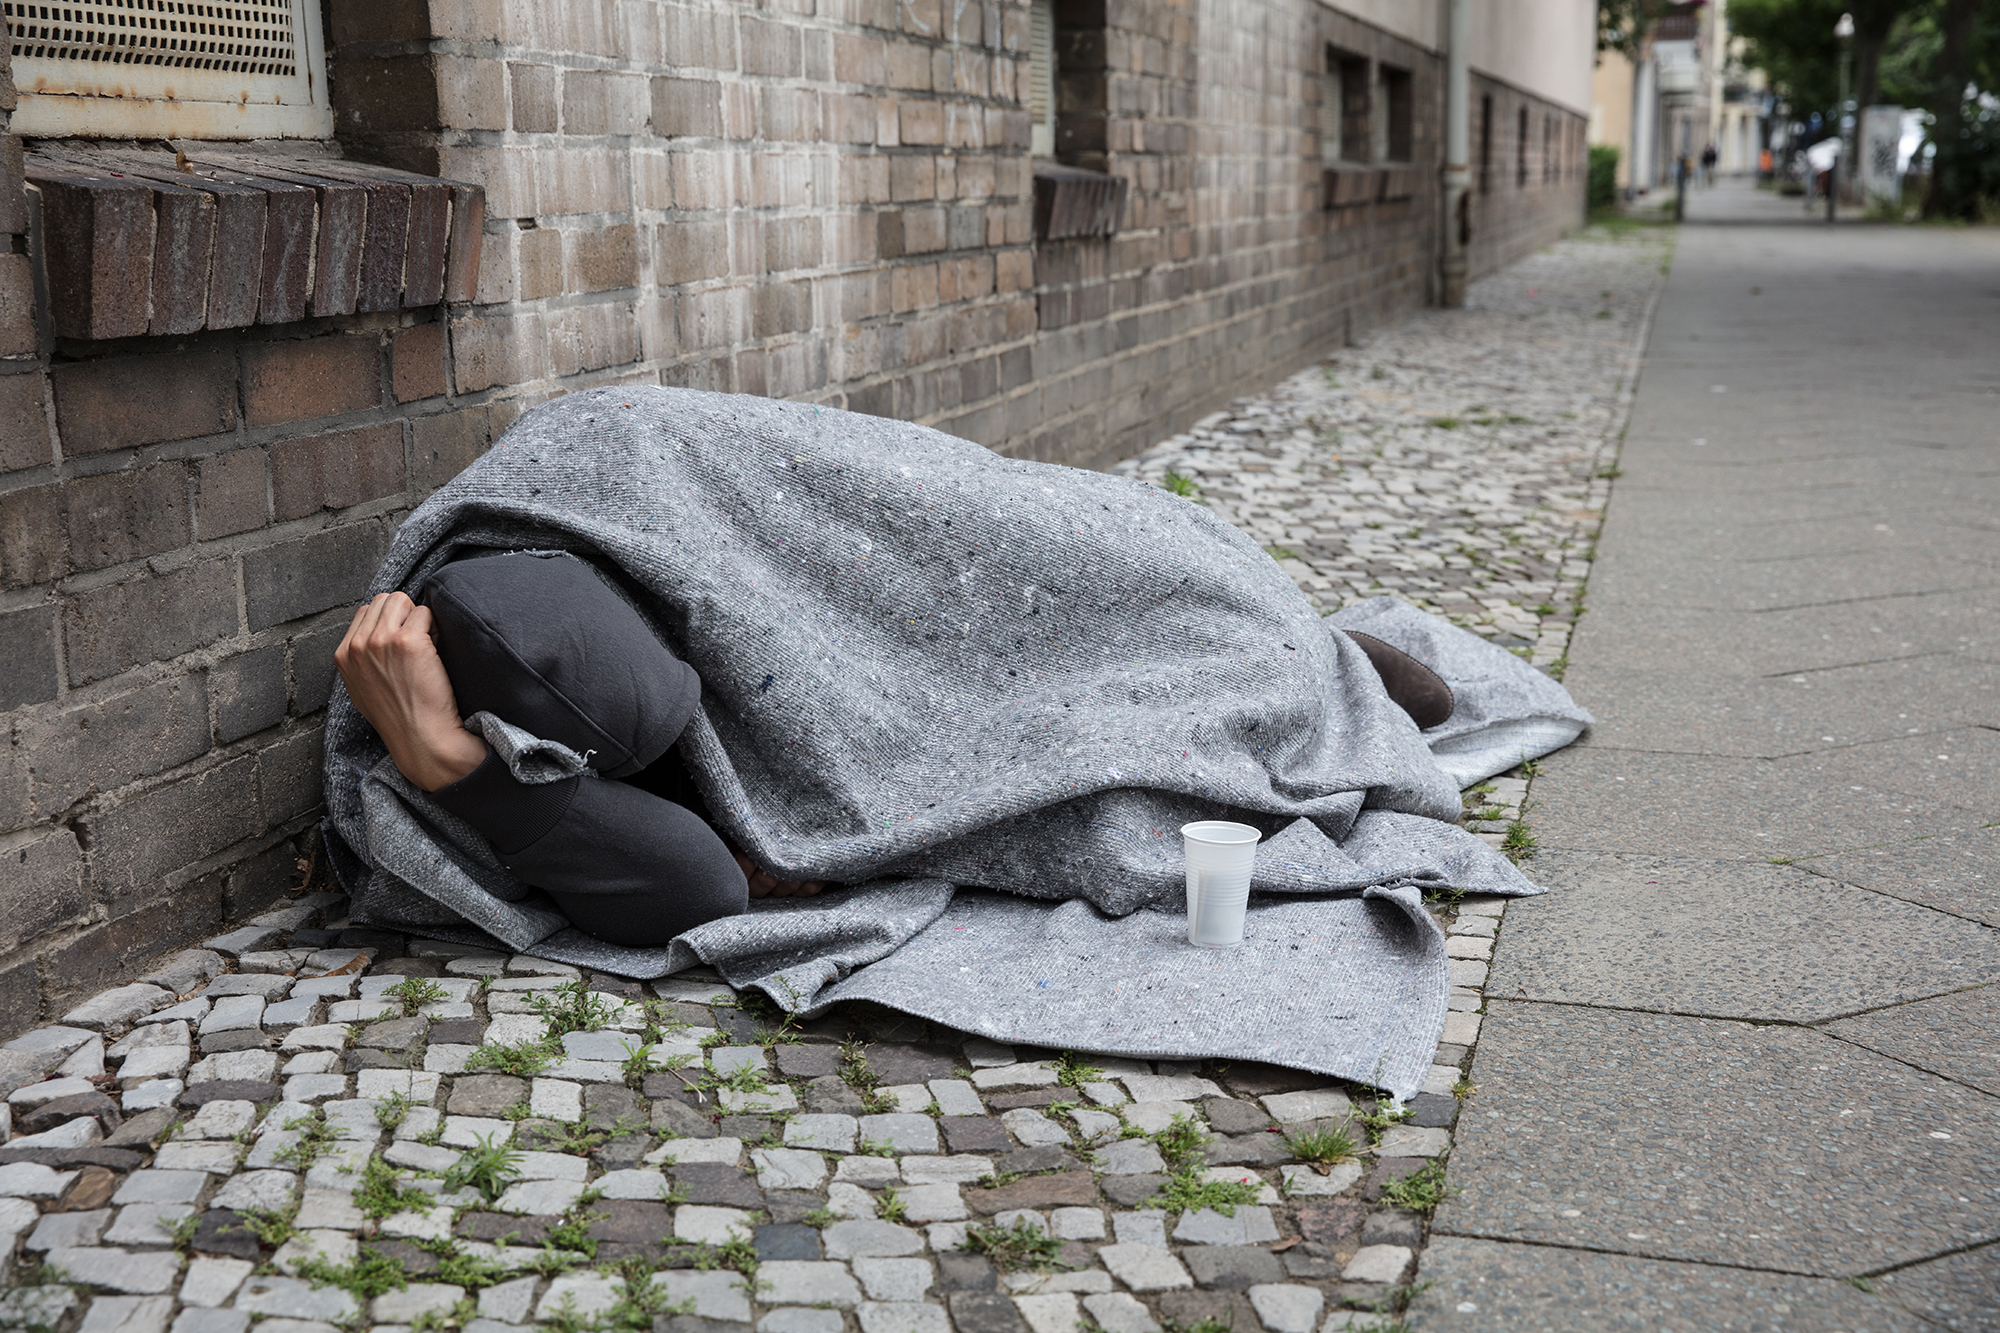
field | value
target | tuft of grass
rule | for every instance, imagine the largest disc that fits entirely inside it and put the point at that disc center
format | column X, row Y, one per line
column 271, row 1227
column 474, row 1272
column 1023, row 1245
column 1281, row 553
column 379, row 1195
column 1376, row 1120
column 364, row 1277
column 1072, row 1071
column 893, row 1206
column 393, row 1110
column 875, row 1148
column 1421, row 1191
column 1444, row 423
column 1322, row 1147
column 524, row 1060
column 571, row 1008
column 1464, row 1088
column 1187, row 1192
column 413, row 993
column 820, row 1217
column 1180, row 485
column 1519, row 843
column 446, row 1321
column 315, row 1136
column 1181, row 1142
column 489, row 1168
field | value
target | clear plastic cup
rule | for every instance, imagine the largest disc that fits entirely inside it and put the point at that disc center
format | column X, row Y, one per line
column 1220, row 857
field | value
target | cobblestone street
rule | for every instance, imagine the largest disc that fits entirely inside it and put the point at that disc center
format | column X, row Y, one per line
column 319, row 1127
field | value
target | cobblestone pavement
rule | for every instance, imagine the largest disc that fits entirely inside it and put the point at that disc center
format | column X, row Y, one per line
column 320, row 1127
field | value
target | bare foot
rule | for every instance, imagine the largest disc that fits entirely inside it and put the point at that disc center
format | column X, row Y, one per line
column 763, row 884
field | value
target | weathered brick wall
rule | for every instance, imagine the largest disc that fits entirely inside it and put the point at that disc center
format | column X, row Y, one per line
column 832, row 203
column 1524, row 195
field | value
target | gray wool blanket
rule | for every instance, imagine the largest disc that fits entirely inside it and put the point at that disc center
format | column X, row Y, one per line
column 983, row 694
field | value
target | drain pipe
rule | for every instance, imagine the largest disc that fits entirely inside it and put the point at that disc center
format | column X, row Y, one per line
column 1457, row 228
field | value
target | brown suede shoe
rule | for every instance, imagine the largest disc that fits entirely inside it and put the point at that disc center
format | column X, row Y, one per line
column 1413, row 687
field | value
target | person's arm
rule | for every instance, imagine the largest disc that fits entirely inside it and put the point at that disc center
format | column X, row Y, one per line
column 396, row 680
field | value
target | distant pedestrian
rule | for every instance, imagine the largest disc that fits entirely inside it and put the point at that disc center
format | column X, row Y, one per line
column 1708, row 157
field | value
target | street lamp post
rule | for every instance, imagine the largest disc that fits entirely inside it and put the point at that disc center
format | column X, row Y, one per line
column 1844, row 31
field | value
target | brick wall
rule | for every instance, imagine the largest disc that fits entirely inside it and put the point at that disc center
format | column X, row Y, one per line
column 1525, row 194
column 831, row 202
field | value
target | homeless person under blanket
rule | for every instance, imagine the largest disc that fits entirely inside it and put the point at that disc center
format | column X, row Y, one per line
column 928, row 666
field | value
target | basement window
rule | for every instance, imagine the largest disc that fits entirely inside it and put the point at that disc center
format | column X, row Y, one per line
column 1343, row 108
column 1397, row 116
column 159, row 69
column 1042, row 78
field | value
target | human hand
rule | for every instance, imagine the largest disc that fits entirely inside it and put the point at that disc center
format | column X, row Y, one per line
column 763, row 884
column 397, row 681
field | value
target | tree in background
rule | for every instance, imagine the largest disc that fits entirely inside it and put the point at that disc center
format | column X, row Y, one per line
column 1941, row 55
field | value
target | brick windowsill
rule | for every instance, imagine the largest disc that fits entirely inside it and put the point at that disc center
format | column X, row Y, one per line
column 136, row 244
column 1071, row 203
column 1346, row 186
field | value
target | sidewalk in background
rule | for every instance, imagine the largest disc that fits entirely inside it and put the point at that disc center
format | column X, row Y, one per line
column 1740, row 1071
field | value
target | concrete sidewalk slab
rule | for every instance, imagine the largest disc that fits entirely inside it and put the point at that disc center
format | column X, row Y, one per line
column 1729, row 939
column 1956, row 871
column 1956, row 1035
column 1962, row 1291
column 1699, row 712
column 1735, row 809
column 1801, row 639
column 1722, row 1142
column 1484, row 1285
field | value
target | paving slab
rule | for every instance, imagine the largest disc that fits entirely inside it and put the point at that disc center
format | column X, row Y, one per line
column 1956, row 871
column 1728, row 938
column 1956, row 1035
column 1960, row 1291
column 1716, row 1141
column 1500, row 1288
column 1685, row 712
column 1731, row 808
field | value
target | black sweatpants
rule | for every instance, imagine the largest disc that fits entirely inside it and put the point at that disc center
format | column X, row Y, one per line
column 546, row 643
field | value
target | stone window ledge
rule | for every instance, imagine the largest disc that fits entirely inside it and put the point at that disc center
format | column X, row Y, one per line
column 1071, row 202
column 137, row 242
column 1347, row 186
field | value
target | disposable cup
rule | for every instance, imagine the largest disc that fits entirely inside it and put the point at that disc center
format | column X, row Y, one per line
column 1220, row 857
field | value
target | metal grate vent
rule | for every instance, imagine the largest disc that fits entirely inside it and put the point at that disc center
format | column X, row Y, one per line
column 252, row 38
column 157, row 69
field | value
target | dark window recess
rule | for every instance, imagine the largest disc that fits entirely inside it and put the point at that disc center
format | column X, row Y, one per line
column 137, row 244
column 1355, row 111
column 1071, row 202
column 1398, row 142
column 1521, row 149
column 1486, row 144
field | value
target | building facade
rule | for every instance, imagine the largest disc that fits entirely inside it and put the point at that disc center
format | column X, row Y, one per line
column 229, row 366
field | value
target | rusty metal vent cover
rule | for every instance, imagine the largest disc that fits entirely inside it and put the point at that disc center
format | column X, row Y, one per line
column 169, row 69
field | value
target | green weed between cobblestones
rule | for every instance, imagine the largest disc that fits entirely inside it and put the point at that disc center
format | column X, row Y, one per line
column 1180, row 485
column 489, row 1168
column 1023, row 1245
column 1322, row 1147
column 1464, row 1088
column 1180, row 1143
column 271, row 1226
column 391, row 1111
column 581, row 1140
column 1206, row 1324
column 315, row 1137
column 364, row 1277
column 1421, row 1191
column 183, row 1229
column 571, row 1234
column 1073, row 1072
column 413, row 993
column 820, row 1217
column 524, row 1060
column 1281, row 553
column 1519, row 843
column 1377, row 1121
column 893, row 1207
column 444, row 1321
column 474, row 1272
column 379, row 1195
column 571, row 1008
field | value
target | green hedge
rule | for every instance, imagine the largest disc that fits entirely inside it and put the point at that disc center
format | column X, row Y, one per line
column 1603, row 175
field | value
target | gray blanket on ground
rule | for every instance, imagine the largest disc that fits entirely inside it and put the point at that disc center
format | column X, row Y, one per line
column 960, row 683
